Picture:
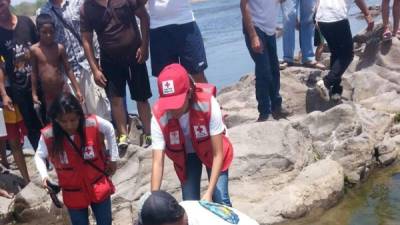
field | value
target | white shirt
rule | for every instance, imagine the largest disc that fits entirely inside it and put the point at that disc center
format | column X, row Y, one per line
column 167, row 12
column 216, row 127
column 332, row 10
column 198, row 215
column 105, row 127
column 264, row 14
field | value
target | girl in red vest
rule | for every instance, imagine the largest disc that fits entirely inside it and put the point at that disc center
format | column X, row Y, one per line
column 74, row 144
column 187, row 126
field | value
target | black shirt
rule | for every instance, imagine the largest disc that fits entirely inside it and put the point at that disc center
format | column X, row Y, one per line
column 14, row 48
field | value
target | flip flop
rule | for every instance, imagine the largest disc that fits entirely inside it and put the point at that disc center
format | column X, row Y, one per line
column 315, row 65
column 387, row 36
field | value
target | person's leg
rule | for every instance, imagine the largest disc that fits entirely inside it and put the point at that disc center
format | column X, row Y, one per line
column 79, row 216
column 221, row 192
column 163, row 50
column 385, row 18
column 342, row 47
column 263, row 75
column 102, row 212
column 23, row 100
column 270, row 48
column 19, row 158
column 307, row 29
column 3, row 154
column 191, row 186
column 396, row 17
column 289, row 13
column 192, row 54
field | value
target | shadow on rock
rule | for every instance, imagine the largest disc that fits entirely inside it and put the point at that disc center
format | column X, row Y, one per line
column 314, row 102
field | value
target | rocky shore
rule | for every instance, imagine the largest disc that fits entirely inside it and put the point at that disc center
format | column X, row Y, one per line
column 283, row 170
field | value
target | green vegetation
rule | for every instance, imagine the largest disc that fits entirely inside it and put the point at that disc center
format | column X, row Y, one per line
column 397, row 118
column 28, row 9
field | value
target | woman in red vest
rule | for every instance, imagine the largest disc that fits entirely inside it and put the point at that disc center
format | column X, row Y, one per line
column 74, row 144
column 187, row 126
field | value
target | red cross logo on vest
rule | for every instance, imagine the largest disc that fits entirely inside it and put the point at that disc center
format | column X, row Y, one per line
column 174, row 138
column 88, row 153
column 168, row 87
column 200, row 131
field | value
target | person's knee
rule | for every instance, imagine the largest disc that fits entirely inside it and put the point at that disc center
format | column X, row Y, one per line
column 117, row 102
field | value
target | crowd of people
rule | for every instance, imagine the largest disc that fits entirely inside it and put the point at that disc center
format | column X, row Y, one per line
column 63, row 85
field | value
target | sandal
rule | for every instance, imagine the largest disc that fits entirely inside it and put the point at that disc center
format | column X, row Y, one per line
column 315, row 65
column 387, row 35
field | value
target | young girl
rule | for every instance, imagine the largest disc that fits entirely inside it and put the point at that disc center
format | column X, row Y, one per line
column 74, row 143
column 387, row 33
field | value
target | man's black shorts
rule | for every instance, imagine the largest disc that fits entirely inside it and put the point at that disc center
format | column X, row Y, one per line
column 118, row 75
column 177, row 43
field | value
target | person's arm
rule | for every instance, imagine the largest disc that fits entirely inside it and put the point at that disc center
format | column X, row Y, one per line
column 158, row 144
column 87, row 42
column 364, row 9
column 70, row 73
column 142, row 53
column 34, row 76
column 107, row 129
column 7, row 102
column 40, row 156
column 256, row 44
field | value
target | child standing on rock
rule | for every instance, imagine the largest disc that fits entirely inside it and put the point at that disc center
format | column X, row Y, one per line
column 387, row 33
column 47, row 58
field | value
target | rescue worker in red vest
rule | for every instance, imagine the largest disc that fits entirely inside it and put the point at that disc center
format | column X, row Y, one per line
column 74, row 144
column 187, row 126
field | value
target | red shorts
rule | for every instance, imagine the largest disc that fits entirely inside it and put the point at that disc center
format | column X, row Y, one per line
column 15, row 125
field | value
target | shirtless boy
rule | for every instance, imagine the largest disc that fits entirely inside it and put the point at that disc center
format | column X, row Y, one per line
column 49, row 60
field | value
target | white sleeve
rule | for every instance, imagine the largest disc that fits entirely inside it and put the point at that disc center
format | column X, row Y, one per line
column 40, row 157
column 106, row 128
column 216, row 124
column 157, row 137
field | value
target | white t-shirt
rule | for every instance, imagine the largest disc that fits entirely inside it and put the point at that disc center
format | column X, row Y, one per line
column 198, row 215
column 105, row 127
column 264, row 14
column 167, row 12
column 332, row 10
column 216, row 127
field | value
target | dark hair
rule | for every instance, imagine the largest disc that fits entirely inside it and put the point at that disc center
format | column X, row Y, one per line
column 43, row 19
column 65, row 103
column 160, row 208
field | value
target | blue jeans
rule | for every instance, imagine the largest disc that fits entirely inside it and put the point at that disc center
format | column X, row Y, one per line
column 101, row 211
column 290, row 10
column 267, row 73
column 191, row 187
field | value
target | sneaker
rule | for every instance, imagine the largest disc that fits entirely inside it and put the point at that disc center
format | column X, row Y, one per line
column 263, row 118
column 323, row 91
column 145, row 140
column 122, row 143
column 280, row 113
column 336, row 97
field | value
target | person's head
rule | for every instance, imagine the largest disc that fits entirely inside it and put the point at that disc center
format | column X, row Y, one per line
column 161, row 208
column 46, row 28
column 5, row 11
column 66, row 115
column 175, row 89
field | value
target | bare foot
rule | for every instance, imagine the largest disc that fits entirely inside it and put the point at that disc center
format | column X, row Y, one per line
column 5, row 194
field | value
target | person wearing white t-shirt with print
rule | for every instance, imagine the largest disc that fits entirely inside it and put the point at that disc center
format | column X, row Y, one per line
column 332, row 20
column 176, row 38
column 161, row 208
column 187, row 127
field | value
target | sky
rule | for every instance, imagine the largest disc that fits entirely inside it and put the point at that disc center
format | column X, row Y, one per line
column 16, row 2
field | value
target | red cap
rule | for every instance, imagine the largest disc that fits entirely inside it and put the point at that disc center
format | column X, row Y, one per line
column 173, row 87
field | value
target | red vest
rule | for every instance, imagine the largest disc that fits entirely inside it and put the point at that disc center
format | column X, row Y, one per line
column 81, row 184
column 199, row 119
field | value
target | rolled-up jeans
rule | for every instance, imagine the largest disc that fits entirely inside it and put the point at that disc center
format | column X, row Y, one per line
column 191, row 186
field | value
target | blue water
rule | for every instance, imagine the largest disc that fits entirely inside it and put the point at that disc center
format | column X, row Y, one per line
column 227, row 55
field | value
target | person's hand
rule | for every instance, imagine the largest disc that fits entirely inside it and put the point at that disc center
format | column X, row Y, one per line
column 36, row 100
column 100, row 79
column 256, row 44
column 370, row 22
column 207, row 197
column 111, row 167
column 7, row 103
column 80, row 97
column 142, row 54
